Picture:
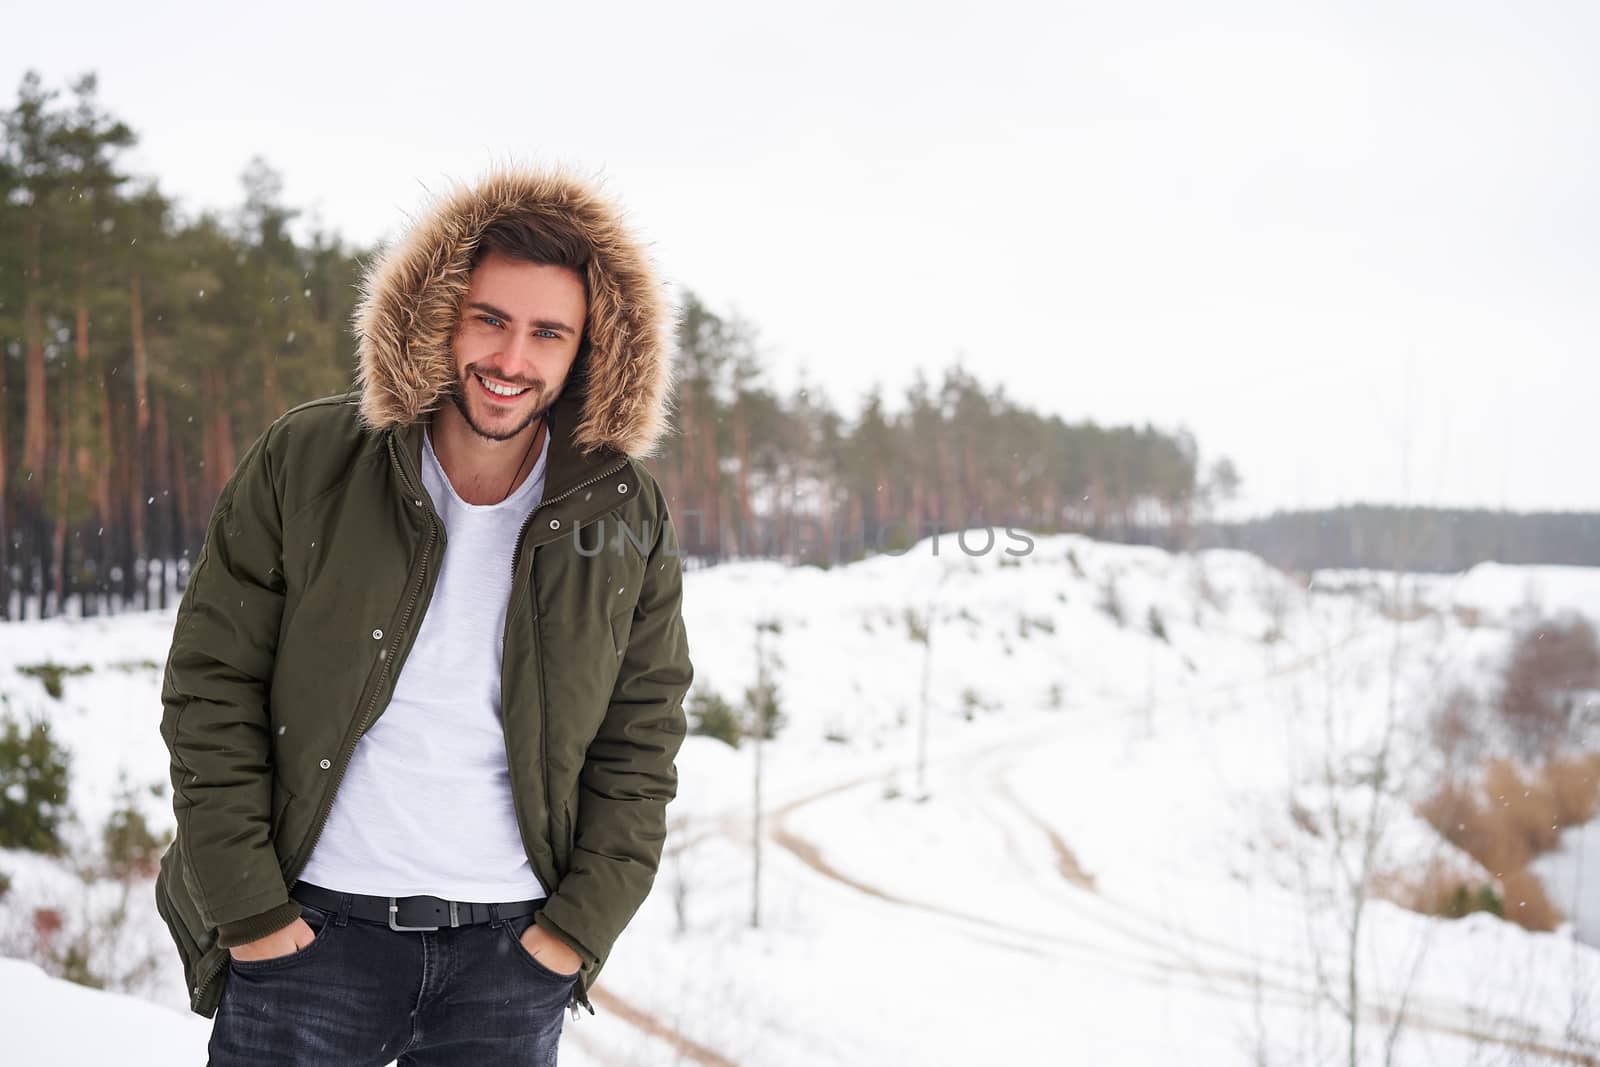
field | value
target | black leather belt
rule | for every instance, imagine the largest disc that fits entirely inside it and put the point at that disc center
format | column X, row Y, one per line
column 411, row 913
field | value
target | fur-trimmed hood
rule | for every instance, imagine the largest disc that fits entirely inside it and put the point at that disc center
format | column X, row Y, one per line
column 413, row 290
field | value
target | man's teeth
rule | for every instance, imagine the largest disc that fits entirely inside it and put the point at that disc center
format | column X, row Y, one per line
column 501, row 390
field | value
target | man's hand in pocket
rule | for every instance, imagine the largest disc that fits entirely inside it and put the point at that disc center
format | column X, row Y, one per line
column 292, row 938
column 550, row 950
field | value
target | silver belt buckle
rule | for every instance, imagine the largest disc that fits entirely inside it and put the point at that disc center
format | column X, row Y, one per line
column 394, row 910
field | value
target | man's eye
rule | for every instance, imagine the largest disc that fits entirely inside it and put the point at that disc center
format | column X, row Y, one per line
column 551, row 333
column 490, row 319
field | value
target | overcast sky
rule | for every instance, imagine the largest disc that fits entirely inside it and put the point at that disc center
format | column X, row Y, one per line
column 1352, row 247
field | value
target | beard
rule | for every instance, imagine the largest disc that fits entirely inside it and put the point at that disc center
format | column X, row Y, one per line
column 541, row 404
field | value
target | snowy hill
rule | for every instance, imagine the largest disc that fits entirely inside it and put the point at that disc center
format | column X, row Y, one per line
column 1124, row 846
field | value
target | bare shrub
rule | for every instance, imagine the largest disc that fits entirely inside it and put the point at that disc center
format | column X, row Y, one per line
column 1111, row 600
column 131, row 849
column 1453, row 731
column 1305, row 818
column 1551, row 664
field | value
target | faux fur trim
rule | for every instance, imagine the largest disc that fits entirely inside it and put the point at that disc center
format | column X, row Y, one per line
column 412, row 292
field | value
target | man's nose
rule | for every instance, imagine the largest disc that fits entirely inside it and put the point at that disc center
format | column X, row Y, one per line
column 516, row 355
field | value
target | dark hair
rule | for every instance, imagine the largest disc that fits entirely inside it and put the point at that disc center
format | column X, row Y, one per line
column 549, row 241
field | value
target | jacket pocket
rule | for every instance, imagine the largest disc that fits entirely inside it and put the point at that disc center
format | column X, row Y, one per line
column 188, row 933
column 621, row 627
column 568, row 833
column 279, row 806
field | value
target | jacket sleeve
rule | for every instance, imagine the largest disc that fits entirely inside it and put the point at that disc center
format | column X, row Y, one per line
column 214, row 695
column 629, row 775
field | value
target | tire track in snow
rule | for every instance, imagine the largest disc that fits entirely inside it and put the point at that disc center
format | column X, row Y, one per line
column 1231, row 983
column 1132, row 961
column 686, row 1048
column 1220, row 980
column 1067, row 861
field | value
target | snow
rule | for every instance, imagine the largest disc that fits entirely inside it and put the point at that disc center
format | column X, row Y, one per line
column 53, row 1023
column 1567, row 871
column 1105, row 860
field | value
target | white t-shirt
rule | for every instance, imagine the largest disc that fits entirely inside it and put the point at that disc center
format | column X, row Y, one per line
column 425, row 805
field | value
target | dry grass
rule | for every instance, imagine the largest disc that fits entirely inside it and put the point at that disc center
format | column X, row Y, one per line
column 1430, row 890
column 1526, row 903
column 1478, row 829
column 1513, row 817
column 1527, row 823
column 1575, row 783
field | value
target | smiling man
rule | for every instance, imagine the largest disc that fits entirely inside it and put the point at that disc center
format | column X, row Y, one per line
column 512, row 365
column 422, row 745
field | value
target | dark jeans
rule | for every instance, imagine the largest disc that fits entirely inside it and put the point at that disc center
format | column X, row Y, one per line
column 363, row 995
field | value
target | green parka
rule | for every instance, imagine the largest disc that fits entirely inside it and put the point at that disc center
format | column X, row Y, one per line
column 318, row 566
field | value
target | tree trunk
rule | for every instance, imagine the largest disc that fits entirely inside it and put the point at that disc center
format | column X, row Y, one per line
column 713, row 485
column 78, row 383
column 58, row 540
column 136, row 453
column 741, row 447
column 855, row 529
column 91, row 461
column 5, row 505
column 180, row 486
column 977, row 498
column 269, row 384
column 35, row 430
column 688, row 454
column 162, row 478
column 113, row 463
column 219, row 458
column 115, row 540
column 107, row 530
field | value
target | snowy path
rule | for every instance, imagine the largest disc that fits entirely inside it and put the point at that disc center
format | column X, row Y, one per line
column 1034, row 873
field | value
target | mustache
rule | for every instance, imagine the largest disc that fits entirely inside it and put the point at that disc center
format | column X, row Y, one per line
column 537, row 385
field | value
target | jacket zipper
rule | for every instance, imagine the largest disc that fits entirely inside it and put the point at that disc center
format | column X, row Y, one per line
column 372, row 701
column 516, row 555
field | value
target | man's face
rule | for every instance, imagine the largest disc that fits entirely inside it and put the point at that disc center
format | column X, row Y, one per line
column 519, row 332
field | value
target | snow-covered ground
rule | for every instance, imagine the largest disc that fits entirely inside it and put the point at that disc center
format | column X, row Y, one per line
column 1148, row 777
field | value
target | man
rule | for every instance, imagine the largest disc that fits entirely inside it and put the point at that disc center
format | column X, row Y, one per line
column 425, row 689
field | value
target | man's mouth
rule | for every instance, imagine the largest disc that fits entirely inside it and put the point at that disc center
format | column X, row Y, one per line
column 499, row 392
